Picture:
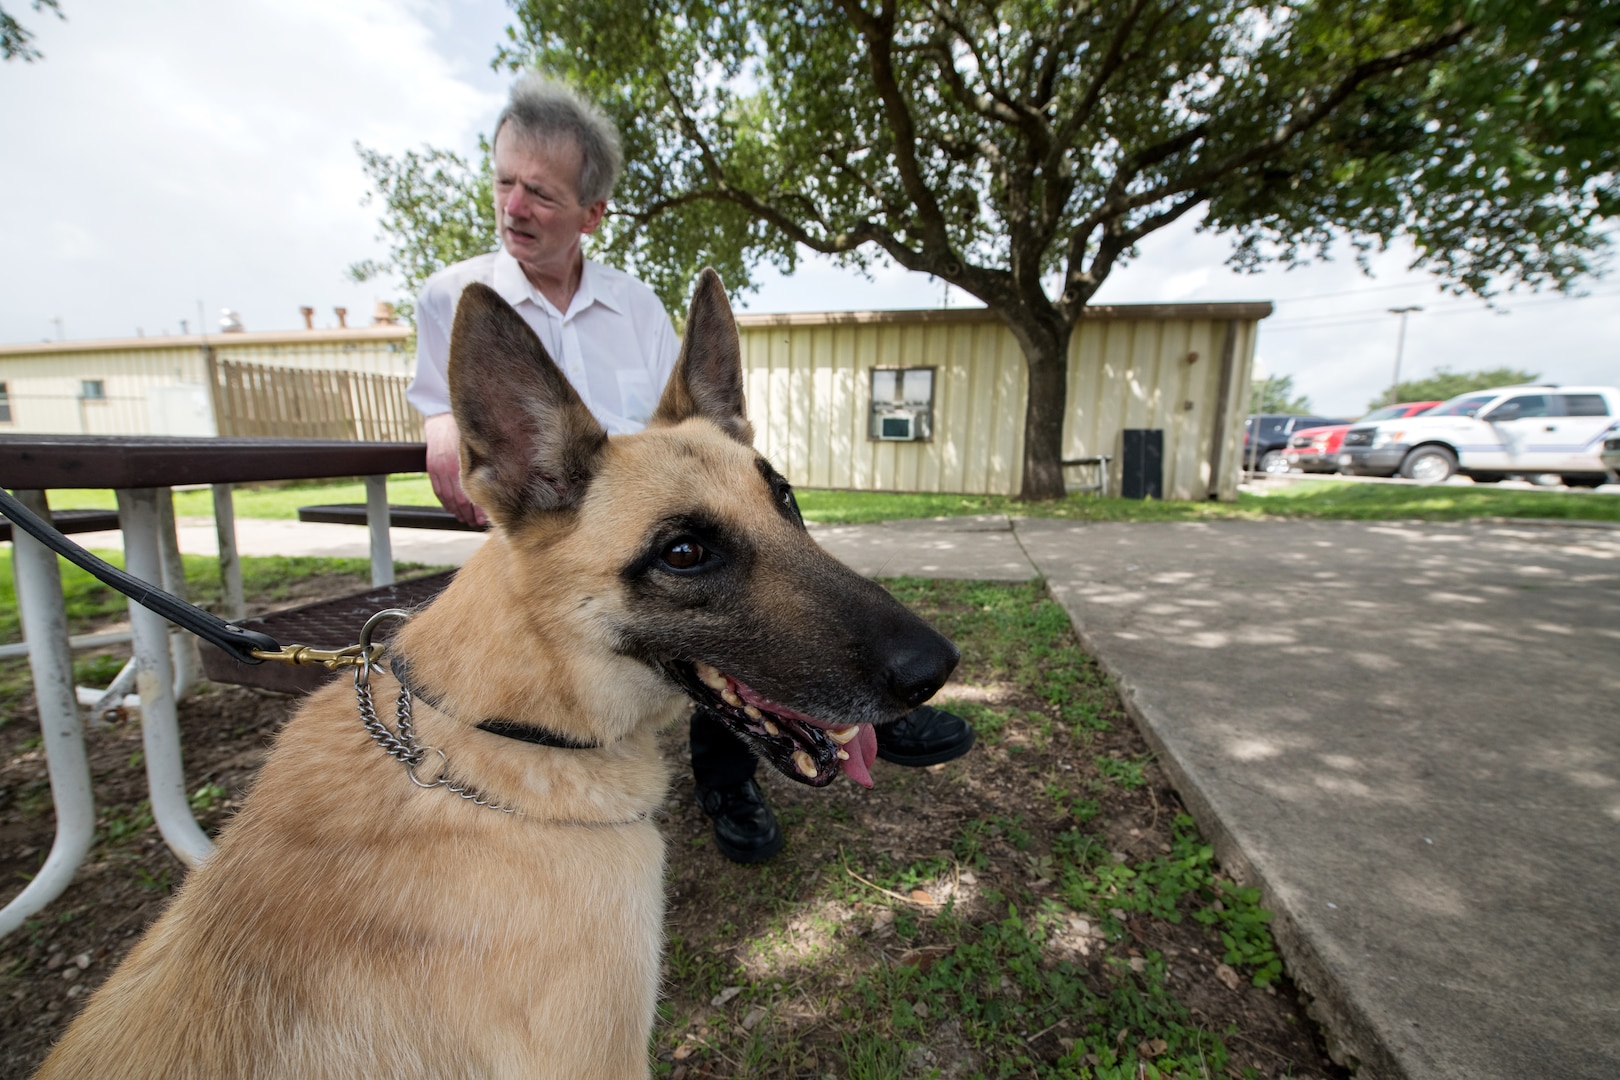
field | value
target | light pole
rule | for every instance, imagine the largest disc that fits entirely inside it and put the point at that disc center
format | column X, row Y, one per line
column 1400, row 344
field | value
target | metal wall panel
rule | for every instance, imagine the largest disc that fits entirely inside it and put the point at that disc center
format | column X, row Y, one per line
column 1156, row 366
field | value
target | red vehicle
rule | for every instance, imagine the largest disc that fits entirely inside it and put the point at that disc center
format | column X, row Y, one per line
column 1317, row 449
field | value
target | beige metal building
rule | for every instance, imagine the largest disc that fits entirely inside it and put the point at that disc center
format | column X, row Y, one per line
column 181, row 385
column 934, row 400
column 928, row 401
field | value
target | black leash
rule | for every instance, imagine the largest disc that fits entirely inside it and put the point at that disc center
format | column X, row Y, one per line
column 251, row 646
column 248, row 646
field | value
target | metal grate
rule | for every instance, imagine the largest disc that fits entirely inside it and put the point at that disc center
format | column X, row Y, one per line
column 326, row 624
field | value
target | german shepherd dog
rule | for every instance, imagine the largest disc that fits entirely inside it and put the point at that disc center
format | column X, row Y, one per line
column 354, row 923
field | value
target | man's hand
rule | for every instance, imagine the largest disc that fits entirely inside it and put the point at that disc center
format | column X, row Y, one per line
column 444, row 468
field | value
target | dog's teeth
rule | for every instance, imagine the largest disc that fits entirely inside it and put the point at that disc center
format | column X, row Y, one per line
column 843, row 734
column 753, row 713
column 730, row 698
column 804, row 763
column 710, row 676
column 770, row 728
column 843, row 755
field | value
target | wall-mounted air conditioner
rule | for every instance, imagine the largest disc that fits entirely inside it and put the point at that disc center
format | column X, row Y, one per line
column 902, row 405
column 897, row 426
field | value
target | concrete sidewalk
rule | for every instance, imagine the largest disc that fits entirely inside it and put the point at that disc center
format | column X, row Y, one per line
column 1405, row 733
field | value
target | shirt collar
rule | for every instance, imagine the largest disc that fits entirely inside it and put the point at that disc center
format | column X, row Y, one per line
column 594, row 286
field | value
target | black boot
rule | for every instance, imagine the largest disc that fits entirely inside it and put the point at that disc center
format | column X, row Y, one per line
column 924, row 736
column 745, row 830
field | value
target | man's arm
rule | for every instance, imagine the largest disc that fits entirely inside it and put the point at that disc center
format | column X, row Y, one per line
column 430, row 394
column 444, row 468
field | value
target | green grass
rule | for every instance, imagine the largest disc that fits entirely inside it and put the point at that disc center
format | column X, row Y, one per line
column 980, row 988
column 1322, row 499
column 262, row 501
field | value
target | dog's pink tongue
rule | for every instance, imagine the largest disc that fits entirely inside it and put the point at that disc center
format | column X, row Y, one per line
column 862, row 751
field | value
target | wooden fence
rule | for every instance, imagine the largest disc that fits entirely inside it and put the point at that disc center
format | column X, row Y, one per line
column 257, row 399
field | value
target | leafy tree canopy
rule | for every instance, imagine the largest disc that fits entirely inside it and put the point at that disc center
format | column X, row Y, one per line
column 1445, row 383
column 437, row 210
column 16, row 40
column 1021, row 149
column 1275, row 394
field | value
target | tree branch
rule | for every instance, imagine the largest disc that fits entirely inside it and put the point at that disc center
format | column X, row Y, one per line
column 1080, row 284
column 1110, row 64
column 997, row 104
column 1312, row 115
column 879, row 35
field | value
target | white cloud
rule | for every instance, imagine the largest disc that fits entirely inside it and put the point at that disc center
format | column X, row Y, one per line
column 192, row 150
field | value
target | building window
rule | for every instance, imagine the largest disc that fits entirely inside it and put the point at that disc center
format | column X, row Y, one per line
column 93, row 389
column 902, row 404
column 5, row 404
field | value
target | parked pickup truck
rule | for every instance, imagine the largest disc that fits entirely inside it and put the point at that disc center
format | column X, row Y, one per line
column 1490, row 434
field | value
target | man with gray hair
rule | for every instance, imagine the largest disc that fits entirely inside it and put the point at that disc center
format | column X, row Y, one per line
column 556, row 160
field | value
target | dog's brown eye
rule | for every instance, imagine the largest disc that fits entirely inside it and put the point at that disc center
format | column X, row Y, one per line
column 683, row 554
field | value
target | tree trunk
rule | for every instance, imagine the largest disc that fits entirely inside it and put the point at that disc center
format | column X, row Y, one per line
column 1046, row 355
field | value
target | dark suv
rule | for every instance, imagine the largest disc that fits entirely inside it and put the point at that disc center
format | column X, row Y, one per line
column 1265, row 435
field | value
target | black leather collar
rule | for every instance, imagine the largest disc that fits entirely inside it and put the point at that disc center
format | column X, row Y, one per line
column 495, row 725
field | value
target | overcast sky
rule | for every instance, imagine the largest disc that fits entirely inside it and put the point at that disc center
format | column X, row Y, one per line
column 178, row 151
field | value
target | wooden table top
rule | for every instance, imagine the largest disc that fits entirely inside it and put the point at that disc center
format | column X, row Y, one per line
column 141, row 461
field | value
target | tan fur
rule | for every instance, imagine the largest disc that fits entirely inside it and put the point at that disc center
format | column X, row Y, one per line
column 352, row 924
column 423, row 935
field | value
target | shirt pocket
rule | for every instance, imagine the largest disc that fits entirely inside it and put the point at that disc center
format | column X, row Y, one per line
column 637, row 397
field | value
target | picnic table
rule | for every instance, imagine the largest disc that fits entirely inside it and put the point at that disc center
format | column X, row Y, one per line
column 141, row 470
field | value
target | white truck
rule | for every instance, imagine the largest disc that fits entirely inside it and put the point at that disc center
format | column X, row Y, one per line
column 1491, row 434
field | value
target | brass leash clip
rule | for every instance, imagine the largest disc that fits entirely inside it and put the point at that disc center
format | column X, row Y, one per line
column 331, row 659
column 363, row 656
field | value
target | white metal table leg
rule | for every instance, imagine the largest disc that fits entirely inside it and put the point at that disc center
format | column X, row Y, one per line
column 183, row 651
column 230, row 564
column 44, row 617
column 160, row 727
column 382, row 550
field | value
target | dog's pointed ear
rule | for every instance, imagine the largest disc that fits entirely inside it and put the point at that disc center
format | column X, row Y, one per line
column 527, row 441
column 708, row 380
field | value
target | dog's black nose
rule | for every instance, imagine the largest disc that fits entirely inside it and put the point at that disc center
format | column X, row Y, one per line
column 919, row 666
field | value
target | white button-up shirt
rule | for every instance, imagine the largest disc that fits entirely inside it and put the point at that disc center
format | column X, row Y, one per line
column 614, row 343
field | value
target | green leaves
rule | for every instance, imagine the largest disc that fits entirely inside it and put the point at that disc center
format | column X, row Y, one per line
column 1021, row 150
column 16, row 40
column 1275, row 394
column 1445, row 383
column 437, row 210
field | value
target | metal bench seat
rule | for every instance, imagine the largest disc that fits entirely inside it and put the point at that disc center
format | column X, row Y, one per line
column 72, row 521
column 399, row 517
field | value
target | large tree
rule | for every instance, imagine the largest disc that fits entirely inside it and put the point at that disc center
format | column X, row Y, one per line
column 1020, row 150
